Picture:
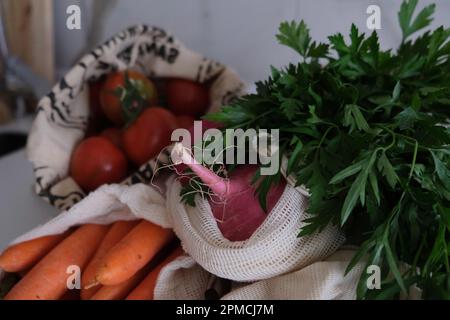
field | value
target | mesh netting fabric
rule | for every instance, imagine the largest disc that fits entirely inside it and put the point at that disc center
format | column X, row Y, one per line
column 273, row 249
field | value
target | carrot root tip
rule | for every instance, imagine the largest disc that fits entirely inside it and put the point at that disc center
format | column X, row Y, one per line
column 92, row 285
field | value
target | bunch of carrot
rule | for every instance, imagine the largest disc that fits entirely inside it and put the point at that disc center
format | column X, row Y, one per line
column 117, row 261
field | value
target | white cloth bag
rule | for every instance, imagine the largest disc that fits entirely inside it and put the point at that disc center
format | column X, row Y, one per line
column 62, row 115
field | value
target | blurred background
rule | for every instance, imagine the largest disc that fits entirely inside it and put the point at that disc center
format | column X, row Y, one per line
column 239, row 33
column 37, row 48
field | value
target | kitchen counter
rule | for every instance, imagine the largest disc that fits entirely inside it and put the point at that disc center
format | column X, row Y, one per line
column 20, row 208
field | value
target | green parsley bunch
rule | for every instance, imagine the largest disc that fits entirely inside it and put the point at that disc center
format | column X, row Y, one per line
column 366, row 131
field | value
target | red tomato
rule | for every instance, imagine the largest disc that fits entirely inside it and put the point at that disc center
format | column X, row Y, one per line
column 185, row 121
column 186, row 97
column 149, row 134
column 114, row 135
column 96, row 161
column 120, row 100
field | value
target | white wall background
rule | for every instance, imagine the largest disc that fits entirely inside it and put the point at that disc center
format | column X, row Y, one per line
column 239, row 33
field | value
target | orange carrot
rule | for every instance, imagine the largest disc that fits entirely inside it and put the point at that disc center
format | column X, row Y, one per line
column 132, row 253
column 24, row 255
column 121, row 290
column 145, row 290
column 116, row 233
column 48, row 279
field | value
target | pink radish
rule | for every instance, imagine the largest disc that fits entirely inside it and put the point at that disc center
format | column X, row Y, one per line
column 205, row 125
column 234, row 204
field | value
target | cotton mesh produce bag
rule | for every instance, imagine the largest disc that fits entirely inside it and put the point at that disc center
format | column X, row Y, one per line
column 62, row 115
column 322, row 280
column 272, row 250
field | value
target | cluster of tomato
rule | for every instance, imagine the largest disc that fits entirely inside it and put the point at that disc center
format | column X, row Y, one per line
column 132, row 120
